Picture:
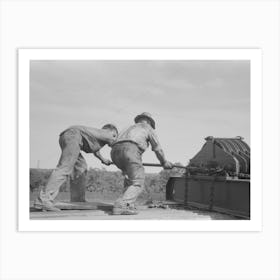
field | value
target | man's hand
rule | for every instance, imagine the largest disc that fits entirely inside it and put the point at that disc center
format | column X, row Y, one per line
column 167, row 165
column 102, row 159
column 107, row 161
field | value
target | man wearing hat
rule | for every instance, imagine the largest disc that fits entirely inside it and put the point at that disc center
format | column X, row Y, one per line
column 72, row 141
column 127, row 153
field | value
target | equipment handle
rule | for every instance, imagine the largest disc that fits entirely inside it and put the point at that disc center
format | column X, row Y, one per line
column 159, row 165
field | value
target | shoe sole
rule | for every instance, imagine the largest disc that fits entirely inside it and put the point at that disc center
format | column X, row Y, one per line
column 38, row 207
column 46, row 208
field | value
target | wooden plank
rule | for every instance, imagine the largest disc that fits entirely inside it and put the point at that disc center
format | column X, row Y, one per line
column 77, row 205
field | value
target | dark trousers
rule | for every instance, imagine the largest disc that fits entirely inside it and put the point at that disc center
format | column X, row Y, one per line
column 128, row 157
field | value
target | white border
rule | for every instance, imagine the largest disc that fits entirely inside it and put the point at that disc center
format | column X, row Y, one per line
column 24, row 57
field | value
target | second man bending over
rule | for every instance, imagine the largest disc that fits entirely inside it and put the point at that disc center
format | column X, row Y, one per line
column 127, row 155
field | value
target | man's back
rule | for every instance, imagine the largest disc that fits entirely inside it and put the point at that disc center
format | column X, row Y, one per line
column 93, row 138
column 141, row 134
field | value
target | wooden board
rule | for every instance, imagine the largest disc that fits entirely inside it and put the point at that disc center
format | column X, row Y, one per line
column 77, row 205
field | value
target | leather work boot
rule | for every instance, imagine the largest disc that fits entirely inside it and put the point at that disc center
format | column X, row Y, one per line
column 128, row 210
column 46, row 206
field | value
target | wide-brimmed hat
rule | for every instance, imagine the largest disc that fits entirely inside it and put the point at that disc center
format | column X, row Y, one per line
column 147, row 116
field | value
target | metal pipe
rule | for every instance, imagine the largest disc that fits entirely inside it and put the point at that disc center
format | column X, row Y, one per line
column 159, row 165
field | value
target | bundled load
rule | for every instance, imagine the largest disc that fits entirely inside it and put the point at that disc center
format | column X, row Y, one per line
column 232, row 155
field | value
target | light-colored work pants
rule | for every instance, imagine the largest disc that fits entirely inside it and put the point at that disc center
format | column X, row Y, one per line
column 128, row 157
column 71, row 162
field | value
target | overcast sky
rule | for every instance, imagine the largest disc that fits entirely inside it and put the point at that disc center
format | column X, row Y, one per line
column 189, row 100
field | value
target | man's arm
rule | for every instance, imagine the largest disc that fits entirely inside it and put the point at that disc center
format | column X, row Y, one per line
column 102, row 159
column 158, row 150
column 161, row 157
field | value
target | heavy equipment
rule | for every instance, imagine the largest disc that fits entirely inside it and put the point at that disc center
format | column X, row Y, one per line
column 217, row 178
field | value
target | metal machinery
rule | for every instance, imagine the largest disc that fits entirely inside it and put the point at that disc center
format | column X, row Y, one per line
column 216, row 179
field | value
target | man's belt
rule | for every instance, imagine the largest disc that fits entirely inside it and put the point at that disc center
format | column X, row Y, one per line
column 127, row 141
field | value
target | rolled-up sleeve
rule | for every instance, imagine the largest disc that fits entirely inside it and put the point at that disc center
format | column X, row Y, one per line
column 153, row 139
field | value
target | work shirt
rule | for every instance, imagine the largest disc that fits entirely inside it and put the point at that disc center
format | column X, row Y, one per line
column 141, row 134
column 93, row 139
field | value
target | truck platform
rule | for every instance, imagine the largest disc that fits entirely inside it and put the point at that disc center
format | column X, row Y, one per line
column 102, row 211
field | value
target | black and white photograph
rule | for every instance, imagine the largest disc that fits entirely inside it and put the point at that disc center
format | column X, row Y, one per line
column 140, row 139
